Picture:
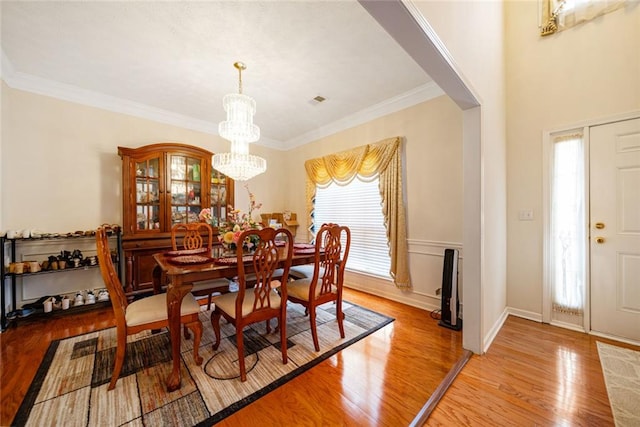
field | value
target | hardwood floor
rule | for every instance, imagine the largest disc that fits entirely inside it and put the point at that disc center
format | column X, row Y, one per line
column 533, row 374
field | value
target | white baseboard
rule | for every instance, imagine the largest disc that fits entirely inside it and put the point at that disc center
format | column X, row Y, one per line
column 493, row 332
column 530, row 315
column 425, row 302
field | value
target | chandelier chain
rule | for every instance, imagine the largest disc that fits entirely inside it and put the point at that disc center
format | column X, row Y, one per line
column 240, row 66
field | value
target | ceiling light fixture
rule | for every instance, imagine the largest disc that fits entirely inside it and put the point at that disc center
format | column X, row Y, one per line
column 239, row 165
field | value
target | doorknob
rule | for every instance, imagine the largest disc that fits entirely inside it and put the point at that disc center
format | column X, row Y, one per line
column 600, row 240
column 599, row 225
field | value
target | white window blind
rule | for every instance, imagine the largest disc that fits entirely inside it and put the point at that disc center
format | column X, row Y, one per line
column 357, row 205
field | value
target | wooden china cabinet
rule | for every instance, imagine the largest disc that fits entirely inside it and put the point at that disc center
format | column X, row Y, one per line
column 162, row 185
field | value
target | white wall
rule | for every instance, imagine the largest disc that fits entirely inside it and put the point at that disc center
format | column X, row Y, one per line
column 588, row 72
column 473, row 34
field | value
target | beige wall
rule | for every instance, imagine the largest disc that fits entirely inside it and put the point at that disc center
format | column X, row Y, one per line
column 61, row 160
column 589, row 72
column 432, row 142
column 62, row 171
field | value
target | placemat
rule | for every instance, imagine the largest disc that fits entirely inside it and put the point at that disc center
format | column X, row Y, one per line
column 187, row 252
column 303, row 246
column 189, row 259
column 304, row 250
column 232, row 260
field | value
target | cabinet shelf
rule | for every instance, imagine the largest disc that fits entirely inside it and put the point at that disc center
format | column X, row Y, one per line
column 40, row 314
column 63, row 270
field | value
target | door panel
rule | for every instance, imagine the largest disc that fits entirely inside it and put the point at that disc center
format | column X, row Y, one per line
column 615, row 243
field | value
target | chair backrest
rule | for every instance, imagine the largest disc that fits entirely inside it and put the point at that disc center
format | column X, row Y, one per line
column 265, row 262
column 110, row 276
column 194, row 235
column 332, row 249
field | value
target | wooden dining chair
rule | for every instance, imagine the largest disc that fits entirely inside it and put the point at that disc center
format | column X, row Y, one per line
column 146, row 313
column 192, row 236
column 325, row 285
column 260, row 302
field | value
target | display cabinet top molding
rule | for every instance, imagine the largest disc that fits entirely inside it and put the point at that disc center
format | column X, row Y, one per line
column 163, row 146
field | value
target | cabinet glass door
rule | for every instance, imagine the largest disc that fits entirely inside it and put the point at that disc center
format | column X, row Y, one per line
column 147, row 195
column 185, row 187
column 218, row 197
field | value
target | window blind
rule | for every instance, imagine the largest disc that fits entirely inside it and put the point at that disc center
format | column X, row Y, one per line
column 357, row 205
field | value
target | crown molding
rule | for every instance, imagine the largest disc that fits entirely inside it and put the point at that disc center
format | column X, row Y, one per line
column 408, row 99
column 38, row 85
column 66, row 92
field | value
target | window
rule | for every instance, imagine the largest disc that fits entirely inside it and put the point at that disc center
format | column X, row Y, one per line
column 559, row 15
column 357, row 205
column 568, row 225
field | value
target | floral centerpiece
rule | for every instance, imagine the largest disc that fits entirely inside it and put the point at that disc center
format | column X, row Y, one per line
column 235, row 224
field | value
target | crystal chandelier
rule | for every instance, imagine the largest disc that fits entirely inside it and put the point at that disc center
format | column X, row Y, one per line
column 239, row 165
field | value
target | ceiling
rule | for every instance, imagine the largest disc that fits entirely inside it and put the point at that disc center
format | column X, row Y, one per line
column 173, row 61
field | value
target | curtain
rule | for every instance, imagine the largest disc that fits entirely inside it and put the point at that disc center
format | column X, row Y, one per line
column 568, row 225
column 558, row 15
column 382, row 159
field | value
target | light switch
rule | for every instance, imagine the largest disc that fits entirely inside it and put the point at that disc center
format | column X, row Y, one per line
column 525, row 215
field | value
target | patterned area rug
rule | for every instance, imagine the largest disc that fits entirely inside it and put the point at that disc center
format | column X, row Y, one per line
column 621, row 367
column 70, row 387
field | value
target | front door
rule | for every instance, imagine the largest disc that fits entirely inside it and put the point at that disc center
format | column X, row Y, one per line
column 615, row 229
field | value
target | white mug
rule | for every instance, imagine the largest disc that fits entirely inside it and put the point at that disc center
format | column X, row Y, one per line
column 48, row 306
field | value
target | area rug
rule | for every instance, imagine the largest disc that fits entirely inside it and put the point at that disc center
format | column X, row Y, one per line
column 70, row 387
column 621, row 367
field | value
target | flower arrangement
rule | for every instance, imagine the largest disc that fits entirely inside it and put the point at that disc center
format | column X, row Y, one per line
column 236, row 223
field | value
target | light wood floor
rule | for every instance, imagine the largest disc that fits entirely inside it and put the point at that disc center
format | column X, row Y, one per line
column 533, row 374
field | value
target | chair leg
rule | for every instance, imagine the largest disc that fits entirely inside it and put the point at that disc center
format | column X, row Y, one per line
column 121, row 351
column 314, row 332
column 196, row 327
column 187, row 335
column 282, row 325
column 209, row 302
column 215, row 323
column 240, row 345
column 340, row 318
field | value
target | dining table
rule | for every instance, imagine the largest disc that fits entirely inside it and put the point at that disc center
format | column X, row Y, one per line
column 183, row 270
